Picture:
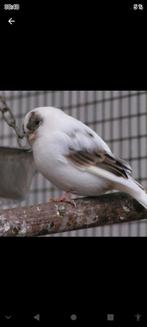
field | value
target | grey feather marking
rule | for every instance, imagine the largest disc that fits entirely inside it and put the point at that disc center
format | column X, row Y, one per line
column 100, row 159
column 84, row 150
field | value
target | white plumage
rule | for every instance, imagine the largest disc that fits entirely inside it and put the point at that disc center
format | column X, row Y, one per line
column 74, row 158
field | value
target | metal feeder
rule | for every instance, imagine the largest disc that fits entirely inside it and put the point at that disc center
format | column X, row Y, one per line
column 17, row 169
column 17, row 166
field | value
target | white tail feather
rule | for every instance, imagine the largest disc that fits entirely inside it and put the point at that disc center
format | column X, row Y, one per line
column 131, row 187
column 127, row 185
column 143, row 200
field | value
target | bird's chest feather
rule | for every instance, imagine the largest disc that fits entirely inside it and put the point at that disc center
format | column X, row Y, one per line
column 49, row 161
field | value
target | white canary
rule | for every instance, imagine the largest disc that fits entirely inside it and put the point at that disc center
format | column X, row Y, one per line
column 74, row 158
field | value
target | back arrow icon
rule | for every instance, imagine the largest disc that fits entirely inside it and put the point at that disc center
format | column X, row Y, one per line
column 11, row 21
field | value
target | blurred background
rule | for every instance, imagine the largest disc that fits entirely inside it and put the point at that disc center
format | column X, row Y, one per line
column 119, row 117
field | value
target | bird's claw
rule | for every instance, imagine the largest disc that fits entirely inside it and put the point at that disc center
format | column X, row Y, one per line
column 64, row 198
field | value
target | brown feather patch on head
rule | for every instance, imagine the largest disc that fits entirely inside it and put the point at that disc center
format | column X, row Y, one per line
column 34, row 121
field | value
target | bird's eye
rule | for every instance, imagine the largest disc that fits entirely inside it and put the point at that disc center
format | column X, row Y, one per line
column 37, row 122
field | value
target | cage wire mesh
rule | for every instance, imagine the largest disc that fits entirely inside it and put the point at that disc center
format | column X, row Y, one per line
column 119, row 117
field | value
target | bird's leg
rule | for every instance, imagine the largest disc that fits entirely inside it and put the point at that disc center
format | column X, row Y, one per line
column 66, row 197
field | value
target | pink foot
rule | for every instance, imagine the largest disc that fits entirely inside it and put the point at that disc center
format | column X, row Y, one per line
column 66, row 197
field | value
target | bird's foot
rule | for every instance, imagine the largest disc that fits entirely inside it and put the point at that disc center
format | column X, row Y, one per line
column 66, row 197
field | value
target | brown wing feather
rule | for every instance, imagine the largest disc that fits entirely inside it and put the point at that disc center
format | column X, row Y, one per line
column 100, row 159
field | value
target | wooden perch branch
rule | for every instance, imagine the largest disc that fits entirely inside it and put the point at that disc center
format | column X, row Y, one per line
column 57, row 217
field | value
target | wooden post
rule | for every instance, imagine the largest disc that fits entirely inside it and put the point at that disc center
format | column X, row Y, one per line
column 55, row 217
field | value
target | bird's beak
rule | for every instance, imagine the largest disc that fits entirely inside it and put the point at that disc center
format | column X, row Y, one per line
column 31, row 137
